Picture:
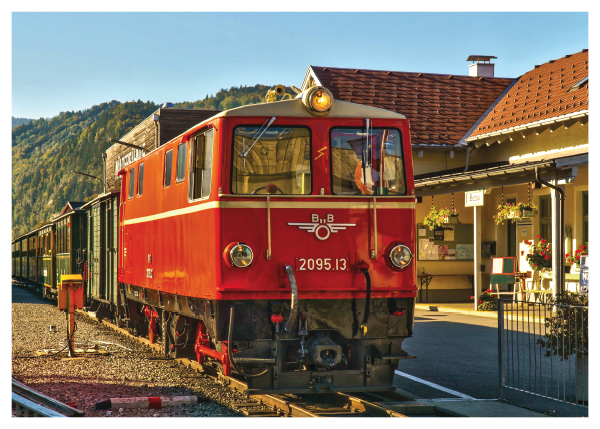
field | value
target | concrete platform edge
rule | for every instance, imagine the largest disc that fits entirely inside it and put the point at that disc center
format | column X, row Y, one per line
column 488, row 314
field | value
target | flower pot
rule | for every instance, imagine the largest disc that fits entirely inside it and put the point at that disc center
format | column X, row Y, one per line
column 528, row 213
column 451, row 219
column 575, row 269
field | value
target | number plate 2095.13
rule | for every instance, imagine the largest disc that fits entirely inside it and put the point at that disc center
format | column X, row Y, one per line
column 322, row 264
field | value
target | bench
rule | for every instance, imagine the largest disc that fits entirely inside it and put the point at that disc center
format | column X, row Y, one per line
column 426, row 278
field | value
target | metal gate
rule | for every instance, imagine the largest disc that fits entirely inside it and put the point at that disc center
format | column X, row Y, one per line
column 543, row 356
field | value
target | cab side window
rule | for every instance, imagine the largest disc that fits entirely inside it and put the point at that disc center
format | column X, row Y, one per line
column 181, row 154
column 141, row 179
column 131, row 182
column 201, row 165
column 168, row 167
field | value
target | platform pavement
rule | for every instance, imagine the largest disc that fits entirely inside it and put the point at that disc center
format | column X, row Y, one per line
column 467, row 308
column 461, row 407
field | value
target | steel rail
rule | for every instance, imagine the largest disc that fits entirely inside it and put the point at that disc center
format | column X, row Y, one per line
column 279, row 404
column 35, row 403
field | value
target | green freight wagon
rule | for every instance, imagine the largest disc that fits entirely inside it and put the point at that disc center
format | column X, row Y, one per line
column 102, row 293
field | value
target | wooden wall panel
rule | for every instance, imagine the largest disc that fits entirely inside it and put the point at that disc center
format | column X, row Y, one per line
column 173, row 122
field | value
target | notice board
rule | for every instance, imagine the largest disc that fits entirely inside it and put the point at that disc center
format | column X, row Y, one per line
column 451, row 243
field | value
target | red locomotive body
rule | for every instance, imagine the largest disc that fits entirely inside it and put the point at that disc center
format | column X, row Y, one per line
column 283, row 236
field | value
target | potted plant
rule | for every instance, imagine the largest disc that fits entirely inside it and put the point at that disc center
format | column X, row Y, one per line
column 539, row 255
column 516, row 211
column 487, row 301
column 574, row 259
column 437, row 218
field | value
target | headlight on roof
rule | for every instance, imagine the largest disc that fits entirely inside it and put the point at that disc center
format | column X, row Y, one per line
column 241, row 255
column 318, row 100
column 400, row 256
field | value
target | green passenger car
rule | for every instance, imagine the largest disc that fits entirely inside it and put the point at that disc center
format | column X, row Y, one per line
column 70, row 244
column 46, row 258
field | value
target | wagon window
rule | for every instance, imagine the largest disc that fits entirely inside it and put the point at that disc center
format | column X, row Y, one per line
column 201, row 165
column 277, row 161
column 141, row 179
column 168, row 167
column 181, row 152
column 367, row 163
column 131, row 182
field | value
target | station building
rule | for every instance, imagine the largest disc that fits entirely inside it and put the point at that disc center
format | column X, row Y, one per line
column 483, row 135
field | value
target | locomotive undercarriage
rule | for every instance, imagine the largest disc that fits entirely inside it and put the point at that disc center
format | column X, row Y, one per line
column 323, row 349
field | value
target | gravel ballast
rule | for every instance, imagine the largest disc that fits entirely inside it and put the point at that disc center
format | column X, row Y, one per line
column 137, row 372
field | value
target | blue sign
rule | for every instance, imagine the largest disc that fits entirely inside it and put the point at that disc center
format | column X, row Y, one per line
column 583, row 275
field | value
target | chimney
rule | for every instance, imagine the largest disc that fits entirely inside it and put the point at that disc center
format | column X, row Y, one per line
column 481, row 67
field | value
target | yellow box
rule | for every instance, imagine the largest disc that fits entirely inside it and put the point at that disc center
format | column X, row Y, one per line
column 69, row 282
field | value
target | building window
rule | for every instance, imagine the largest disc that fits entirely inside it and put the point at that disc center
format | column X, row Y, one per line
column 545, row 218
column 181, row 152
column 131, row 182
column 584, row 213
column 141, row 179
column 201, row 165
column 168, row 168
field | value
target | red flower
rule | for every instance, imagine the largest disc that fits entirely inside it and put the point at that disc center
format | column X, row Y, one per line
column 542, row 241
column 567, row 255
column 543, row 253
column 523, row 252
column 539, row 236
column 547, row 256
column 480, row 301
column 471, row 296
column 583, row 247
column 535, row 265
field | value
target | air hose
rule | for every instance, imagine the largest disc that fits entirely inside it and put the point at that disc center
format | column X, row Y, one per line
column 230, row 345
column 363, row 327
column 291, row 322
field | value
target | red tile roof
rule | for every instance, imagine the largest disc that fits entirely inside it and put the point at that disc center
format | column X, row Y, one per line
column 542, row 93
column 441, row 108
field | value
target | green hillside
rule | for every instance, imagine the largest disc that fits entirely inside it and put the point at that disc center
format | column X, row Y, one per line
column 19, row 121
column 44, row 151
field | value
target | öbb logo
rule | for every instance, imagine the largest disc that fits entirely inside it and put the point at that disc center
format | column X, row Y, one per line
column 322, row 228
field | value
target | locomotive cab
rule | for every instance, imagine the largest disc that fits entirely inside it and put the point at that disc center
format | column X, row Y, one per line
column 279, row 237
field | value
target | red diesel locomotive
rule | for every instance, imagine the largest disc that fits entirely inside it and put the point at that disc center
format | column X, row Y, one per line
column 276, row 239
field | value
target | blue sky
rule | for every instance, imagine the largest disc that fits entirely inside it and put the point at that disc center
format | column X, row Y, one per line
column 71, row 61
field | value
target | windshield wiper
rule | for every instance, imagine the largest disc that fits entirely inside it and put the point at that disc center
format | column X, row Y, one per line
column 255, row 139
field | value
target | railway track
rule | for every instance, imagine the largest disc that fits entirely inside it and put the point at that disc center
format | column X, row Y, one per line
column 28, row 402
column 364, row 404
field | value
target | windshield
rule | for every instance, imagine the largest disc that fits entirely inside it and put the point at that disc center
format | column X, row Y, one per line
column 277, row 162
column 367, row 164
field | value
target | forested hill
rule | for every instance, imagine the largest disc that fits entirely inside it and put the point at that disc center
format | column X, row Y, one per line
column 44, row 151
column 19, row 121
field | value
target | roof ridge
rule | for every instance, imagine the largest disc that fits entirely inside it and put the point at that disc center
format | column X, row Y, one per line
column 353, row 70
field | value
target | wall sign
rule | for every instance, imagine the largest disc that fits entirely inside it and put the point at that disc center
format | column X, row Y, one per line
column 583, row 275
column 474, row 198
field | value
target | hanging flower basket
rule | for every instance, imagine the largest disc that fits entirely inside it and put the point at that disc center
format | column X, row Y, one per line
column 438, row 218
column 516, row 211
column 451, row 219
